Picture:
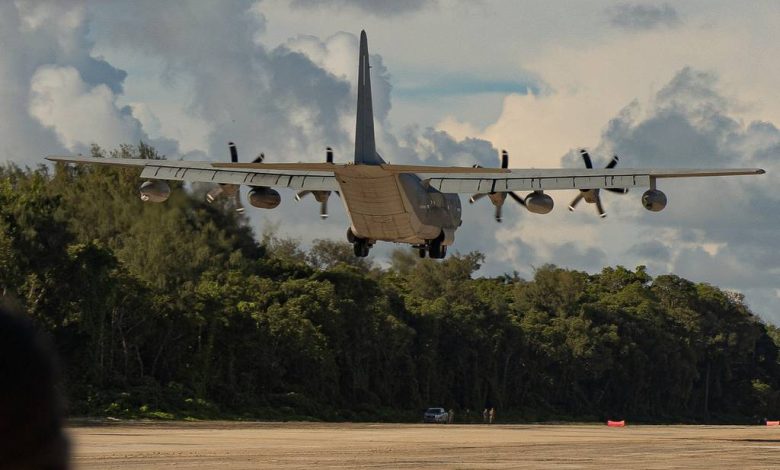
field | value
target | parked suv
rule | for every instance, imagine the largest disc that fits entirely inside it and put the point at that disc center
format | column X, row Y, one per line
column 435, row 415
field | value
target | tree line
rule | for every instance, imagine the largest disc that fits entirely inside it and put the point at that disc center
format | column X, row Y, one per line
column 178, row 310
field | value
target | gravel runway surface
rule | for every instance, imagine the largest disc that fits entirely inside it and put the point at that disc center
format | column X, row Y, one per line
column 233, row 445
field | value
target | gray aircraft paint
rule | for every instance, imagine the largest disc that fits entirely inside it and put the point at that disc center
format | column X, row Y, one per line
column 365, row 146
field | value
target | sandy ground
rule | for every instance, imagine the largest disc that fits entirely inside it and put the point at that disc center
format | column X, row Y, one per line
column 315, row 445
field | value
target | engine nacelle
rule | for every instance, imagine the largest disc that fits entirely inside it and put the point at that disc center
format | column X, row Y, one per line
column 154, row 191
column 264, row 198
column 654, row 200
column 539, row 203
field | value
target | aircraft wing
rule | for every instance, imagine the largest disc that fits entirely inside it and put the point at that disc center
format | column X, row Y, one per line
column 535, row 180
column 298, row 176
column 321, row 176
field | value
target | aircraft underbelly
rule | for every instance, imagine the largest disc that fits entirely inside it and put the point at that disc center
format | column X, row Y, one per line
column 377, row 210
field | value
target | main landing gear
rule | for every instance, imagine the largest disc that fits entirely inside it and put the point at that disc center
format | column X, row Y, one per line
column 361, row 246
column 433, row 248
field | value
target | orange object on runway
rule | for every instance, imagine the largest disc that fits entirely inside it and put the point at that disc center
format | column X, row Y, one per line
column 773, row 423
column 616, row 424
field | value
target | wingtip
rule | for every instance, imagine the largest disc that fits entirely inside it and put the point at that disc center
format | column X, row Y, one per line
column 760, row 171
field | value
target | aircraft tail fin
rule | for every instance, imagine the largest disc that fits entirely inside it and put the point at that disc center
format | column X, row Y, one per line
column 365, row 145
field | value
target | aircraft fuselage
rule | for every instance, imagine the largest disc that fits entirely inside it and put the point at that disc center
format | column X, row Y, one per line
column 396, row 207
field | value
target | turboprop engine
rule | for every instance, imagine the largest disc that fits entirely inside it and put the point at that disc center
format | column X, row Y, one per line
column 154, row 191
column 264, row 198
column 539, row 203
column 654, row 200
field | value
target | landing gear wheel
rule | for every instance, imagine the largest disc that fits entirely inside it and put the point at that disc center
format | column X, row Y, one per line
column 434, row 249
column 422, row 252
column 438, row 251
column 361, row 247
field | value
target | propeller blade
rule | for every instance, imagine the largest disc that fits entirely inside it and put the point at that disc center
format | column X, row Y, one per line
column 498, row 212
column 329, row 155
column 213, row 194
column 237, row 201
column 324, row 209
column 600, row 208
column 617, row 190
column 586, row 158
column 504, row 159
column 301, row 194
column 476, row 197
column 517, row 198
column 613, row 163
column 233, row 152
column 576, row 201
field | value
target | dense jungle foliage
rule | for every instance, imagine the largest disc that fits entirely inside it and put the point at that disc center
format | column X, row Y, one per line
column 176, row 310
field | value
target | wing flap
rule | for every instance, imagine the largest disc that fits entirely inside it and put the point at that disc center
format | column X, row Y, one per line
column 310, row 180
column 504, row 184
column 557, row 179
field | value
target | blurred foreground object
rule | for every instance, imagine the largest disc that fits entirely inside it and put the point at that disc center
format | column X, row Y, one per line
column 31, row 435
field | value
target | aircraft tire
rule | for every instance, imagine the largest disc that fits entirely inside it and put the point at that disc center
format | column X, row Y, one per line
column 434, row 250
column 361, row 247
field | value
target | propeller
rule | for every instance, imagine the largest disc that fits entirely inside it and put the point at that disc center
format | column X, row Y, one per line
column 593, row 196
column 320, row 196
column 231, row 190
column 498, row 198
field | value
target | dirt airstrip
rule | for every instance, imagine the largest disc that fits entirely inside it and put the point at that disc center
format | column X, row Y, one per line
column 317, row 445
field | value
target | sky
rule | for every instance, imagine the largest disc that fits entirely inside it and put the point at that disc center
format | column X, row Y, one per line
column 661, row 84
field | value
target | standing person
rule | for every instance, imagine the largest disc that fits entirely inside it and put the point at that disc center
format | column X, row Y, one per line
column 451, row 416
column 492, row 415
column 485, row 416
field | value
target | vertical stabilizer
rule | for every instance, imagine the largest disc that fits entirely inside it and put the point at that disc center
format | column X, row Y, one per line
column 365, row 146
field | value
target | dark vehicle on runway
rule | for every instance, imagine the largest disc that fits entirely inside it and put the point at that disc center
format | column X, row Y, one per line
column 436, row 415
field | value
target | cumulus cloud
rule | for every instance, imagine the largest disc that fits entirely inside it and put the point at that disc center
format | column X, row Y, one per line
column 276, row 100
column 337, row 55
column 723, row 231
column 80, row 114
column 57, row 95
column 642, row 16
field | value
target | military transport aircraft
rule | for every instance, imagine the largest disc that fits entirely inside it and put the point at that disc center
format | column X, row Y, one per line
column 413, row 204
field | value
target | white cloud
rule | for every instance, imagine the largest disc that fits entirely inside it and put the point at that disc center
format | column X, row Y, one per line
column 80, row 114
